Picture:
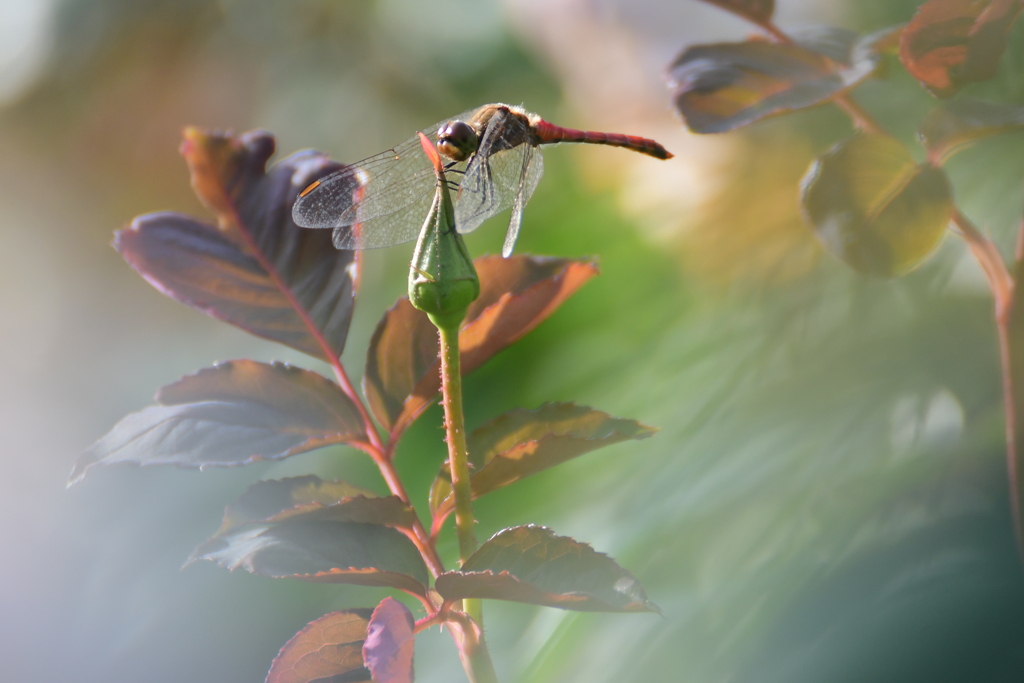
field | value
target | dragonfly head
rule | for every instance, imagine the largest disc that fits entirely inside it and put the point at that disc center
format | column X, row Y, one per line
column 457, row 140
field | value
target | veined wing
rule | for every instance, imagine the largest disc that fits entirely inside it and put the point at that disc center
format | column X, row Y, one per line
column 492, row 179
column 377, row 202
column 529, row 177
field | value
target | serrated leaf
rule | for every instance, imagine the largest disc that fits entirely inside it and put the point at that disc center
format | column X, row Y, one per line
column 403, row 348
column 951, row 43
column 388, row 650
column 757, row 11
column 234, row 413
column 956, row 124
column 402, row 371
column 723, row 86
column 531, row 564
column 873, row 207
column 268, row 500
column 313, row 499
column 327, row 649
column 313, row 546
column 523, row 442
column 256, row 269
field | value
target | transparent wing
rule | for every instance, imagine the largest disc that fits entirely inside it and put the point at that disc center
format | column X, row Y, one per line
column 532, row 170
column 377, row 202
column 492, row 178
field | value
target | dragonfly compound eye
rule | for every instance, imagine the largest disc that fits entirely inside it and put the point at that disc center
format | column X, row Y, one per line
column 457, row 140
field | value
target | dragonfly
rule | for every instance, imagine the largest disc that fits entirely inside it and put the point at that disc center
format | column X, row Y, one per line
column 492, row 159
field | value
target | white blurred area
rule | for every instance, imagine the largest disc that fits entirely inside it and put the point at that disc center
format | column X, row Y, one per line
column 25, row 41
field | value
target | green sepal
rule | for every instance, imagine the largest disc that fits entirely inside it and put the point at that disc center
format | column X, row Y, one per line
column 442, row 279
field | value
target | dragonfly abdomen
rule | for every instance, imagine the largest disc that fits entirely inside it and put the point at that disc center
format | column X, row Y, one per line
column 548, row 134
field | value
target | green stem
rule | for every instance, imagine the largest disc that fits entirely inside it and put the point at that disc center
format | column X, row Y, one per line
column 476, row 659
column 455, row 428
column 473, row 649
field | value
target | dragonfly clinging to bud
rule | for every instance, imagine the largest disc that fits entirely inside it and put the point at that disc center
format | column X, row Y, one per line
column 381, row 201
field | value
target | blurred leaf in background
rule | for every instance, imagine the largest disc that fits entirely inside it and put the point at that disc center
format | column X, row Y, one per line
column 825, row 499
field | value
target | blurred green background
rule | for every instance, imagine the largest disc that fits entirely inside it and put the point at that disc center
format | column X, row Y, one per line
column 826, row 500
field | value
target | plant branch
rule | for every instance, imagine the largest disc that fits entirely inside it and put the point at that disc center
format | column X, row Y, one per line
column 861, row 119
column 1018, row 252
column 473, row 650
column 317, row 334
column 777, row 33
column 376, row 448
column 455, row 428
column 1010, row 406
column 991, row 261
column 419, row 534
column 1003, row 287
column 436, row 619
column 1007, row 327
column 469, row 638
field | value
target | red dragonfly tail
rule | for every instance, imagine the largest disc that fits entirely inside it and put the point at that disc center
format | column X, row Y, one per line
column 547, row 134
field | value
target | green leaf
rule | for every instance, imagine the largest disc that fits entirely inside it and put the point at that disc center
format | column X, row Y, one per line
column 388, row 650
column 956, row 124
column 757, row 11
column 531, row 564
column 279, row 499
column 314, row 547
column 951, row 43
column 723, row 86
column 402, row 369
column 234, row 413
column 327, row 649
column 523, row 442
column 873, row 207
column 256, row 269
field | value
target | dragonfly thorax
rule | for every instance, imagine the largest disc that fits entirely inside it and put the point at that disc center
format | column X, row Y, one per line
column 457, row 140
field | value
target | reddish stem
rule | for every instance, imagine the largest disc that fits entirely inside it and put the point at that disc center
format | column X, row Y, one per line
column 428, row 621
column 432, row 609
column 375, row 448
column 1009, row 402
column 861, row 119
column 318, row 336
column 420, row 536
column 991, row 261
column 1001, row 282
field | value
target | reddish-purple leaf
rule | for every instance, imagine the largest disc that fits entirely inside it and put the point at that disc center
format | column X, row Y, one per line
column 317, row 530
column 523, row 442
column 403, row 349
column 951, row 43
column 275, row 499
column 327, row 650
column 321, row 545
column 516, row 294
column 723, row 86
column 389, row 646
column 234, row 413
column 757, row 11
column 531, row 564
column 255, row 269
column 956, row 124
